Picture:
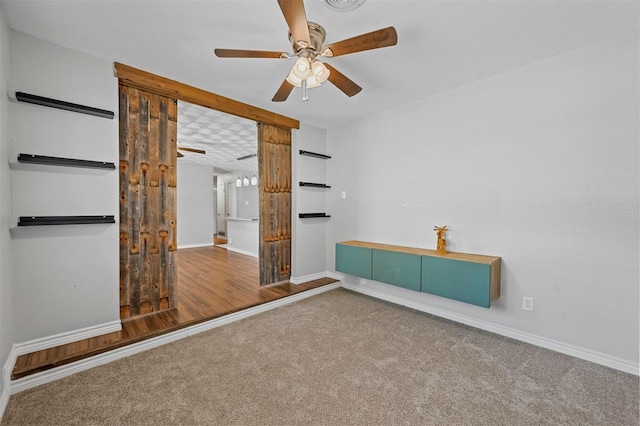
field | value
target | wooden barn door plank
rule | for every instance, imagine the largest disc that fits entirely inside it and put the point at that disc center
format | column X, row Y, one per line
column 274, row 153
column 147, row 202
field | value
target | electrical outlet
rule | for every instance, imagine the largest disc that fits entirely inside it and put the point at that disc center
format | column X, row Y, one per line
column 527, row 303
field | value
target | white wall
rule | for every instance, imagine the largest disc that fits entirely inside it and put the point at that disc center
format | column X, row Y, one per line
column 244, row 199
column 242, row 236
column 66, row 277
column 248, row 202
column 539, row 166
column 195, row 205
column 6, row 274
column 221, row 223
column 309, row 235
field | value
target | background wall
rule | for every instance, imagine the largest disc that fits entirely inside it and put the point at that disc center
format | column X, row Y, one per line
column 309, row 235
column 6, row 274
column 195, row 205
column 248, row 202
column 244, row 198
column 243, row 212
column 221, row 223
column 66, row 277
column 539, row 166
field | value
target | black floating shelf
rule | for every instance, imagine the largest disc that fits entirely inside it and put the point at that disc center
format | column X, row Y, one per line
column 55, row 103
column 64, row 220
column 67, row 162
column 314, row 154
column 305, row 215
column 315, row 185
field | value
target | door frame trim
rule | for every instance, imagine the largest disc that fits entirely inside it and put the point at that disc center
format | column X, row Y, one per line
column 163, row 86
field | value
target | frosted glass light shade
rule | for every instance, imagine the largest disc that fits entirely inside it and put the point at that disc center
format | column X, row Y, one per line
column 245, row 181
column 254, row 180
column 319, row 71
column 291, row 78
column 302, row 68
column 312, row 82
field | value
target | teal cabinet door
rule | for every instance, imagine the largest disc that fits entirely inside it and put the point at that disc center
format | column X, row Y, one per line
column 353, row 260
column 396, row 268
column 459, row 280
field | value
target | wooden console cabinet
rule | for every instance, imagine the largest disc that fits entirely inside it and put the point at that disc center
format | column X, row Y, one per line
column 469, row 278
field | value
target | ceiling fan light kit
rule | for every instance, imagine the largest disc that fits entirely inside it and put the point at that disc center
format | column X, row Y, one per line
column 307, row 39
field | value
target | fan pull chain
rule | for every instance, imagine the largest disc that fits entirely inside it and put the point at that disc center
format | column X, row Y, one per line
column 305, row 91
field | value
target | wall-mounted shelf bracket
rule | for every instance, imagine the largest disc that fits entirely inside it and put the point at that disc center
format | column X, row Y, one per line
column 314, row 154
column 307, row 215
column 315, row 185
column 68, row 106
column 64, row 220
column 67, row 162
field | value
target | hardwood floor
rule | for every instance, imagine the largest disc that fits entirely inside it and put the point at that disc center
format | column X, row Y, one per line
column 219, row 239
column 212, row 282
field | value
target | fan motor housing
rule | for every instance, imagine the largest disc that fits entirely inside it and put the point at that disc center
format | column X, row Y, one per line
column 317, row 35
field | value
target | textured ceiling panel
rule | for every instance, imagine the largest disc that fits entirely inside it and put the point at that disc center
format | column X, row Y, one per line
column 224, row 137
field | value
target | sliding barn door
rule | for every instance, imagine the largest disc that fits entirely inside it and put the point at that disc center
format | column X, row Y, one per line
column 148, row 132
column 274, row 152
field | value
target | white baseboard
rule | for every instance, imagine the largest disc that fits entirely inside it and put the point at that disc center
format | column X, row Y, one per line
column 248, row 253
column 335, row 276
column 312, row 277
column 554, row 345
column 66, row 337
column 194, row 245
column 104, row 358
column 68, row 369
column 7, row 368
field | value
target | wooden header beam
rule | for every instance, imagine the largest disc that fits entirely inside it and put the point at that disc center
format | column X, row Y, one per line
column 163, row 86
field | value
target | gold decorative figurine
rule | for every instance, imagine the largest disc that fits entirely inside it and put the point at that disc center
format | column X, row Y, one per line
column 442, row 243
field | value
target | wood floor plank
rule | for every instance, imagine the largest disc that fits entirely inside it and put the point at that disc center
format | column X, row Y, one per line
column 212, row 282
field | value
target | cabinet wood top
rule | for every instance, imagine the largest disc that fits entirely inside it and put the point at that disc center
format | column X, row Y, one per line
column 478, row 258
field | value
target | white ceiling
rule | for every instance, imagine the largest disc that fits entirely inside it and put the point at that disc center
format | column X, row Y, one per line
column 223, row 137
column 441, row 44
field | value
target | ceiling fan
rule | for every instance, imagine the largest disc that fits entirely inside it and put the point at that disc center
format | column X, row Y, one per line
column 307, row 40
column 185, row 148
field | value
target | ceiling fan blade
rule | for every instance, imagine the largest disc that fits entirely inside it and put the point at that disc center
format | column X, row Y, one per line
column 283, row 92
column 342, row 82
column 240, row 53
column 197, row 151
column 373, row 40
column 293, row 11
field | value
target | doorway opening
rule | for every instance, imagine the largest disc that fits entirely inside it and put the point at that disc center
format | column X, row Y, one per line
column 218, row 200
column 148, row 224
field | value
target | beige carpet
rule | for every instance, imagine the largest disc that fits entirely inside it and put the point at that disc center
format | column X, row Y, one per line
column 337, row 358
